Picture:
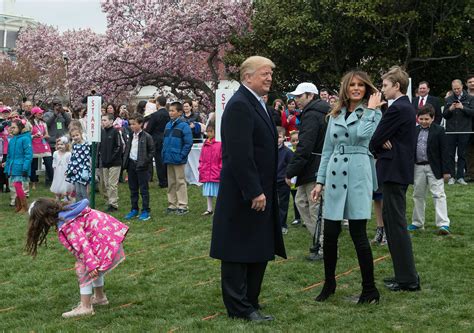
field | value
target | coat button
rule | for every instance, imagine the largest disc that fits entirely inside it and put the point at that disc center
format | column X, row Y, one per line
column 335, row 135
column 344, row 173
column 334, row 173
column 333, row 186
column 347, row 135
column 346, row 159
column 335, row 159
column 345, row 186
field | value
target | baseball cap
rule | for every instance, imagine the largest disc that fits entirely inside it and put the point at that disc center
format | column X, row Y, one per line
column 36, row 110
column 305, row 87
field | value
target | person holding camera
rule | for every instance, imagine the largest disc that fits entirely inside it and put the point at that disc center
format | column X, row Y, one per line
column 458, row 113
column 58, row 122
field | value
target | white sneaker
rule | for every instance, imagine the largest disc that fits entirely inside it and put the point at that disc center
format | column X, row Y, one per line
column 99, row 301
column 451, row 181
column 295, row 222
column 462, row 181
column 79, row 311
column 284, row 231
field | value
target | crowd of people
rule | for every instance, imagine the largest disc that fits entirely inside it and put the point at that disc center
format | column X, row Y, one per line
column 334, row 154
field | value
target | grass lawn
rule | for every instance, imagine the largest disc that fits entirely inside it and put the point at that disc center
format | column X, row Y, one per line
column 169, row 284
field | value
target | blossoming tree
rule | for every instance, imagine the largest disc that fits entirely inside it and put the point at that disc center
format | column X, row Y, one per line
column 174, row 43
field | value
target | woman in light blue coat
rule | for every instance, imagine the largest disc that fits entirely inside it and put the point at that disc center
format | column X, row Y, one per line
column 347, row 172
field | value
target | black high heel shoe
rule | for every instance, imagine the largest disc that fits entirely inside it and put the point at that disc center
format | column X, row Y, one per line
column 328, row 289
column 369, row 297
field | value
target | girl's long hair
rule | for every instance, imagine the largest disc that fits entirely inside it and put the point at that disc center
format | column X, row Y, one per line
column 43, row 215
column 344, row 99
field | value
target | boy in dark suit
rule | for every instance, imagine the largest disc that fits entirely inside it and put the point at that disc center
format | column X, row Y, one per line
column 138, row 156
column 431, row 166
column 394, row 144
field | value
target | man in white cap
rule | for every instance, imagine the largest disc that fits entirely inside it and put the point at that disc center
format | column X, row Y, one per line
column 305, row 162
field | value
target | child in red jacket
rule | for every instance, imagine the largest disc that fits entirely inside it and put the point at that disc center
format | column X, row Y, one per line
column 210, row 165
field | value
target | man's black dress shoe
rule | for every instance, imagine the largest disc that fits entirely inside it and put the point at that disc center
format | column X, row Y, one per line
column 390, row 280
column 257, row 316
column 395, row 286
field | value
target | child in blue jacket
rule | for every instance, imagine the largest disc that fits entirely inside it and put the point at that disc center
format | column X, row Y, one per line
column 177, row 143
column 18, row 163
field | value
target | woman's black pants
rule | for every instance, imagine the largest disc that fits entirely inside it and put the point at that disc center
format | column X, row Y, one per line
column 357, row 229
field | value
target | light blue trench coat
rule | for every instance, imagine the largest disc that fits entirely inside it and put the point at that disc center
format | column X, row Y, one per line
column 347, row 168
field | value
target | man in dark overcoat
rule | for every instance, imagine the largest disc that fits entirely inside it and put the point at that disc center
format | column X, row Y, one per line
column 246, row 232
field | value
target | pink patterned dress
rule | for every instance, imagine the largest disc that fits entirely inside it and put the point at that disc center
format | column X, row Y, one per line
column 94, row 238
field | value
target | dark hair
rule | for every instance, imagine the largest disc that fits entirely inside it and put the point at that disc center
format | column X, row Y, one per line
column 188, row 101
column 114, row 108
column 469, row 76
column 178, row 106
column 424, row 82
column 141, row 107
column 109, row 116
column 137, row 117
column 20, row 125
column 43, row 215
column 280, row 101
column 426, row 109
column 323, row 89
column 161, row 100
column 291, row 100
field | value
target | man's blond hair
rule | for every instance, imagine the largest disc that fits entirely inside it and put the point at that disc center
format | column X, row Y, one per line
column 397, row 74
column 252, row 64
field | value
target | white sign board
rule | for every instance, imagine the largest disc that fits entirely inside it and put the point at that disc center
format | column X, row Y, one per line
column 93, row 128
column 222, row 97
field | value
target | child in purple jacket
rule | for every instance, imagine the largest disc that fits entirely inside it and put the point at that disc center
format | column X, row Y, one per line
column 93, row 237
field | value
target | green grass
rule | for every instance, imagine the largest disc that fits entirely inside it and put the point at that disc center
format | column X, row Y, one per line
column 169, row 283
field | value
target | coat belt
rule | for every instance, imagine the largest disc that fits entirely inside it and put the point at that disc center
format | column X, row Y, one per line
column 342, row 149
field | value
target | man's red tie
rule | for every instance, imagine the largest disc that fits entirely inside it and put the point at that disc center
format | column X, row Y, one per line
column 420, row 104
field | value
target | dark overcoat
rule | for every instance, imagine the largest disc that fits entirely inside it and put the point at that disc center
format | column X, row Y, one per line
column 398, row 124
column 249, row 168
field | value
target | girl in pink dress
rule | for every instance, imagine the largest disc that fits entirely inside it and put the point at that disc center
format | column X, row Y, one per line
column 93, row 237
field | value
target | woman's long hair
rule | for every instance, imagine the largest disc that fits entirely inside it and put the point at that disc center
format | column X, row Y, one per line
column 344, row 99
column 43, row 215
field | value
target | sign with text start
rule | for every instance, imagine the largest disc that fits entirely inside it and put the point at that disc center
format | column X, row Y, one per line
column 222, row 97
column 94, row 128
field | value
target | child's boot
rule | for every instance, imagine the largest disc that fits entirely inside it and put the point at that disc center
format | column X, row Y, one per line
column 17, row 205
column 23, row 205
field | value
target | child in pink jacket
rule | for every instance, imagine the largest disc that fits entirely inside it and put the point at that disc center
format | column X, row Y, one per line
column 93, row 237
column 210, row 165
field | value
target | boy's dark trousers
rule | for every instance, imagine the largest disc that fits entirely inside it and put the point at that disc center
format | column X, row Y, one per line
column 138, row 180
column 283, row 191
column 161, row 172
